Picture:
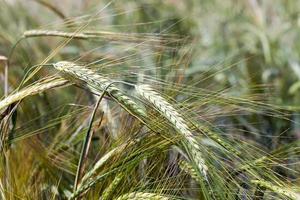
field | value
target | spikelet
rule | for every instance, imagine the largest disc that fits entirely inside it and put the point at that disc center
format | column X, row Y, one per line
column 142, row 196
column 185, row 166
column 104, row 35
column 88, row 180
column 189, row 170
column 256, row 162
column 39, row 33
column 82, row 188
column 169, row 112
column 98, row 84
column 276, row 189
column 108, row 192
column 32, row 90
column 103, row 160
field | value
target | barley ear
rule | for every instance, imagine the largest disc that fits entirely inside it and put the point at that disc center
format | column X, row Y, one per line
column 170, row 113
column 41, row 33
column 185, row 166
column 98, row 83
column 32, row 90
column 277, row 189
column 142, row 195
column 109, row 191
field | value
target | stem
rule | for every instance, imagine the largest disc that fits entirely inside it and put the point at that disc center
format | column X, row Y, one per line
column 5, row 63
column 5, row 79
column 87, row 140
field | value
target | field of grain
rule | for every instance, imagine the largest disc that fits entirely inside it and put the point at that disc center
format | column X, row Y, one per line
column 149, row 99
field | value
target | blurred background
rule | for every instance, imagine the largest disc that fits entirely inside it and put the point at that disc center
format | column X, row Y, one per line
column 250, row 47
